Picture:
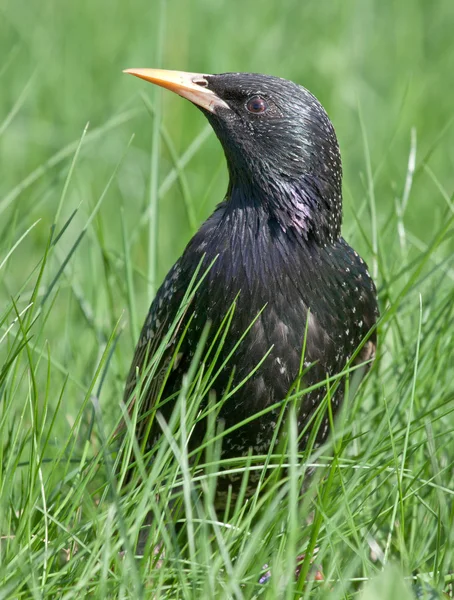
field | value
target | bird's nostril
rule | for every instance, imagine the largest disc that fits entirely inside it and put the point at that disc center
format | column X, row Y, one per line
column 200, row 81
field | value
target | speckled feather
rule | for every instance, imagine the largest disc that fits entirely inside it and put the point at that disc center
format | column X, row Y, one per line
column 277, row 241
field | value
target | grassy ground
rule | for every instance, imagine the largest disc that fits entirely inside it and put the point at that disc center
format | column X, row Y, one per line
column 91, row 219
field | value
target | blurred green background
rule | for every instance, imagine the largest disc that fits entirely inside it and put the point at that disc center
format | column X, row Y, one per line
column 389, row 64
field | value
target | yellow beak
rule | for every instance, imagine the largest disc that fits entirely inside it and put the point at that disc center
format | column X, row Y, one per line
column 191, row 86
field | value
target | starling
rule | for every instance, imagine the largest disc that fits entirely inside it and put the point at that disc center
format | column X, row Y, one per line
column 275, row 249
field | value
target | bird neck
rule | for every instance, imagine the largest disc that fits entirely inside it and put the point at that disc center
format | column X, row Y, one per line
column 308, row 207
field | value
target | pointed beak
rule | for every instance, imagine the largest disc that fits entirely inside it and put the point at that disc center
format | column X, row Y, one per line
column 192, row 86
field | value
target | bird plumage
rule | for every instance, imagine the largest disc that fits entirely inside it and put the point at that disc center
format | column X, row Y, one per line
column 275, row 250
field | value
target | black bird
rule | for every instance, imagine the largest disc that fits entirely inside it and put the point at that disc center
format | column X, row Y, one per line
column 276, row 243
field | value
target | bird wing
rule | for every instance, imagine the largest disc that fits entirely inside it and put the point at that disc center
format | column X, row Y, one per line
column 160, row 319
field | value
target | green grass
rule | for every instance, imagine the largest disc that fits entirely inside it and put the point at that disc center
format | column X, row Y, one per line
column 92, row 218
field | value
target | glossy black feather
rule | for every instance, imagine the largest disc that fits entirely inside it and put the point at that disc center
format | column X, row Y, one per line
column 277, row 244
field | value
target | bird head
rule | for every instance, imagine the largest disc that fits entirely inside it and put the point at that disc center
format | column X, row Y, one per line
column 280, row 146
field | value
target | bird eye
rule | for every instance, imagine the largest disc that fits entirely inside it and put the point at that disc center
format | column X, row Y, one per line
column 256, row 105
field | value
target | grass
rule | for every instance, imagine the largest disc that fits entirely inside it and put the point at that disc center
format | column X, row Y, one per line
column 92, row 217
